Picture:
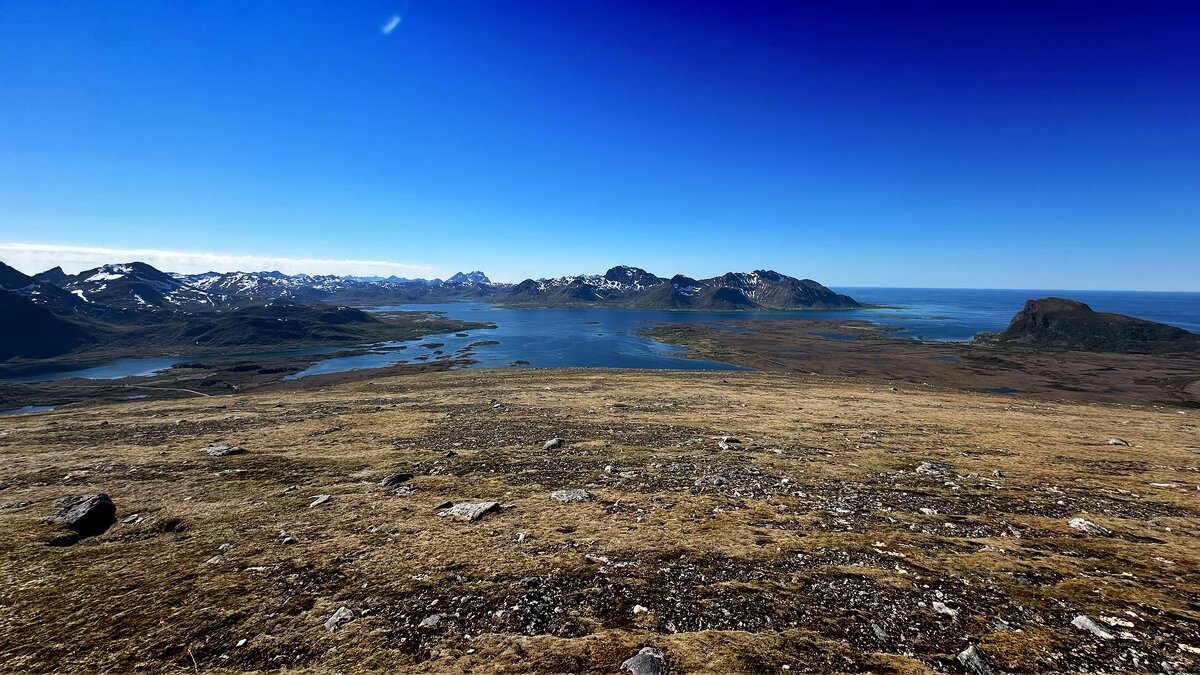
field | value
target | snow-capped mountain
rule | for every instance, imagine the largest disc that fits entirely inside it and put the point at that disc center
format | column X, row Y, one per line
column 138, row 286
column 134, row 285
column 475, row 277
column 635, row 287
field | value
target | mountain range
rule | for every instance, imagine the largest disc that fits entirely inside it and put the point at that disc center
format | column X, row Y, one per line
column 137, row 286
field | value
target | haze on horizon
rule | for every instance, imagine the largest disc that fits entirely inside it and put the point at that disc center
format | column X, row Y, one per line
column 934, row 144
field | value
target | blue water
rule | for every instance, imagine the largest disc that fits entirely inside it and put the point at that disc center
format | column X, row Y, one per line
column 27, row 410
column 591, row 337
column 546, row 338
column 144, row 367
column 949, row 314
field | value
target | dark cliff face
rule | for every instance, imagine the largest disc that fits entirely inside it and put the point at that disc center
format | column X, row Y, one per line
column 1068, row 324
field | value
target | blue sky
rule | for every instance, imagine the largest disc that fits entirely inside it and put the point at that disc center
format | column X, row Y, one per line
column 960, row 144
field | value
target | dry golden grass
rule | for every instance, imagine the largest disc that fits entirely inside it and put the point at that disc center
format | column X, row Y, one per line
column 816, row 533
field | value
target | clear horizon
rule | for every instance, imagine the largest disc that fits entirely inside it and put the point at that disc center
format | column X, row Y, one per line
column 33, row 260
column 934, row 145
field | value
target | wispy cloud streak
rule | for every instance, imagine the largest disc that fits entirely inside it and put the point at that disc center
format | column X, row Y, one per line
column 391, row 24
column 33, row 258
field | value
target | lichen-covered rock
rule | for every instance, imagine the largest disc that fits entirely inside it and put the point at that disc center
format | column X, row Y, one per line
column 572, row 495
column 221, row 450
column 470, row 511
column 343, row 615
column 1088, row 527
column 1084, row 622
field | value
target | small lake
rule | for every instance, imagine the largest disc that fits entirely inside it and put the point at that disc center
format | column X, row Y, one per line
column 28, row 410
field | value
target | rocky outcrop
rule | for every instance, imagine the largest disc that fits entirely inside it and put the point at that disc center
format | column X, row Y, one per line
column 1068, row 324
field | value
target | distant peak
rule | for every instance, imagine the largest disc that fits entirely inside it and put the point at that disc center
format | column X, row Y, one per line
column 475, row 277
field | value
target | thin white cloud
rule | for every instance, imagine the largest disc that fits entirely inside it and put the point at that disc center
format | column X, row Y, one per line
column 391, row 24
column 34, row 258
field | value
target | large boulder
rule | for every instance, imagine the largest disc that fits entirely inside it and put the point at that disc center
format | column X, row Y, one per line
column 648, row 661
column 86, row 515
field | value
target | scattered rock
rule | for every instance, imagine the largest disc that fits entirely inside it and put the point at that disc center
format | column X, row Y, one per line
column 648, row 661
column 942, row 608
column 319, row 500
column 1084, row 622
column 470, row 511
column 1088, row 527
column 396, row 479
column 343, row 615
column 975, row 661
column 935, row 469
column 430, row 621
column 221, row 450
column 711, row 480
column 572, row 495
column 86, row 515
column 552, row 444
column 1117, row 441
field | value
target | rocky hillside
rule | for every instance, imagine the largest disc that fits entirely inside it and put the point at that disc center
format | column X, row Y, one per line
column 34, row 332
column 558, row 521
column 1068, row 324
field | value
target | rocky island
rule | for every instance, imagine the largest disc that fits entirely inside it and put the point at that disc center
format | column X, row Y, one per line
column 1059, row 323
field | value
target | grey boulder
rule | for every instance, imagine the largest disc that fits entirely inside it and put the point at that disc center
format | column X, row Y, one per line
column 975, row 661
column 86, row 515
column 396, row 479
column 648, row 661
column 221, row 450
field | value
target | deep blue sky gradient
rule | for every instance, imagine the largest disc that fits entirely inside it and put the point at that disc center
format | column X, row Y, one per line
column 962, row 144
